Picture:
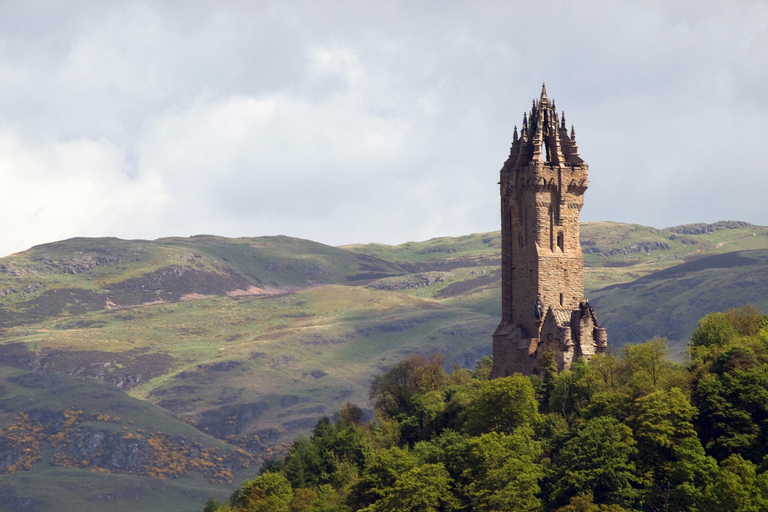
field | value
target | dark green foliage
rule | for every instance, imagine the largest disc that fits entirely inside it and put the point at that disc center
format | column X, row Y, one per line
column 597, row 460
column 733, row 408
column 211, row 505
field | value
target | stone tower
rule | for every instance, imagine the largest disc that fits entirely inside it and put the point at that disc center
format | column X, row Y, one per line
column 542, row 268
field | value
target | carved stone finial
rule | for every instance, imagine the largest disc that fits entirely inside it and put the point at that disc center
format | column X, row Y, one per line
column 562, row 123
column 573, row 133
column 514, row 137
column 525, row 120
column 543, row 91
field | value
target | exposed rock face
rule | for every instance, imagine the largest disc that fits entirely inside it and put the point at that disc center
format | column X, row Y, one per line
column 702, row 229
column 644, row 246
column 420, row 280
column 543, row 306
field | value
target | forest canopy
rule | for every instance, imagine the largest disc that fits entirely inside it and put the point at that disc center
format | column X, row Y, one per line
column 623, row 432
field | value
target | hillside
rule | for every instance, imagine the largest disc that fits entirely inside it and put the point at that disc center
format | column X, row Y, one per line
column 261, row 336
column 81, row 444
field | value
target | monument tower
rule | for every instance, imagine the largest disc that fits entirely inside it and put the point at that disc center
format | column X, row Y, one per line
column 542, row 268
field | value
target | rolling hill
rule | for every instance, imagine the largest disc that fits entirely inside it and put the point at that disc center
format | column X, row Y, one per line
column 251, row 340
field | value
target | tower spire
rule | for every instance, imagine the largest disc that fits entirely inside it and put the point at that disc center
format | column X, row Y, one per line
column 543, row 91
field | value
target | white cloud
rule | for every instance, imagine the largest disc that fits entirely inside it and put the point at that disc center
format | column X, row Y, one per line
column 74, row 188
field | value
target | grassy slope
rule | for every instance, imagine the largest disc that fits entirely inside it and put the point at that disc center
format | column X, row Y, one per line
column 59, row 488
column 670, row 302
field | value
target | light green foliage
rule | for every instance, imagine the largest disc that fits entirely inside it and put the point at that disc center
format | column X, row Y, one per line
column 660, row 421
column 268, row 492
column 584, row 504
column 736, row 488
column 663, row 429
column 572, row 389
column 714, row 330
column 646, row 365
column 495, row 472
column 425, row 488
column 501, row 405
column 381, row 474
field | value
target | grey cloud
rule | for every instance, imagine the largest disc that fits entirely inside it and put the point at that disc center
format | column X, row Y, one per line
column 390, row 119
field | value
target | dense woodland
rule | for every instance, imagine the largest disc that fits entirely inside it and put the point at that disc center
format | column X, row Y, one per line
column 626, row 431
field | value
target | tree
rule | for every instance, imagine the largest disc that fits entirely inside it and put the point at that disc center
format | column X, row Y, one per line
column 268, row 492
column 573, row 389
column 733, row 409
column 747, row 319
column 483, row 368
column 211, row 505
column 393, row 391
column 660, row 421
column 645, row 365
column 425, row 488
column 501, row 405
column 380, row 475
column 714, row 330
column 736, row 488
column 350, row 414
column 585, row 504
column 690, row 473
column 596, row 461
column 494, row 471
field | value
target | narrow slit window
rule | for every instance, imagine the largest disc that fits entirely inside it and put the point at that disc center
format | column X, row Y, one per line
column 561, row 242
column 561, row 299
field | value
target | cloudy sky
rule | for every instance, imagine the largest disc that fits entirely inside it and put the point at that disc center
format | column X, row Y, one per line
column 367, row 121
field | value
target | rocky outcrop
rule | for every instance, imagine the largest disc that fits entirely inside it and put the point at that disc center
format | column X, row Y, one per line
column 702, row 229
column 637, row 247
column 420, row 280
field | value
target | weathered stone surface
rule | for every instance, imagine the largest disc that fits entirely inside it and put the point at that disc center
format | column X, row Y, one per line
column 543, row 306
